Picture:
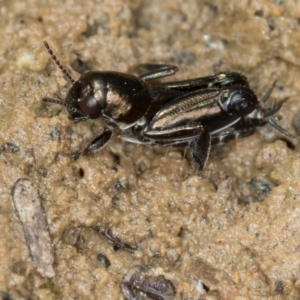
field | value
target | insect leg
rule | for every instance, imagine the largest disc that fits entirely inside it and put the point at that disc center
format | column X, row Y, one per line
column 201, row 150
column 175, row 133
column 157, row 71
column 243, row 128
column 99, row 142
column 219, row 80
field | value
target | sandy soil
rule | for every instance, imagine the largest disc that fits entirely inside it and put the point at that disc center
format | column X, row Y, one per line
column 130, row 205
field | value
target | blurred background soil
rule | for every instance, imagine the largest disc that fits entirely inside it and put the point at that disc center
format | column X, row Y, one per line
column 130, row 205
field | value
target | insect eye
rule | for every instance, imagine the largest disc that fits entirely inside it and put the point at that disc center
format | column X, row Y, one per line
column 242, row 101
column 90, row 106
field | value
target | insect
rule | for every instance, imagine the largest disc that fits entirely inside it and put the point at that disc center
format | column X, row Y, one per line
column 197, row 113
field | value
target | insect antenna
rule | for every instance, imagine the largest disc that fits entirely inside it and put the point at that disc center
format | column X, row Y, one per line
column 56, row 101
column 70, row 108
column 53, row 56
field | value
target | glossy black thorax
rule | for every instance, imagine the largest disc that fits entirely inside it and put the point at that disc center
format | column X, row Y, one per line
column 119, row 95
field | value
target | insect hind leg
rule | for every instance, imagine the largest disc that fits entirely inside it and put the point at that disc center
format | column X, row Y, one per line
column 201, row 151
column 245, row 127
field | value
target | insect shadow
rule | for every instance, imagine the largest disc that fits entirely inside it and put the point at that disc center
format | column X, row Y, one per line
column 196, row 113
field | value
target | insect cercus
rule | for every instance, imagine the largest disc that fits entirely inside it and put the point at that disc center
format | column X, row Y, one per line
column 197, row 113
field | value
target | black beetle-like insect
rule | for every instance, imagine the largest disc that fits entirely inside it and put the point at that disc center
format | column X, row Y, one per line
column 197, row 112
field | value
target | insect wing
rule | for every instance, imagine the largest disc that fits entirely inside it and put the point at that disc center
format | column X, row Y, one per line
column 187, row 108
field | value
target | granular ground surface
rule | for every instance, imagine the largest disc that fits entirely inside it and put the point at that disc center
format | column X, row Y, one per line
column 131, row 211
